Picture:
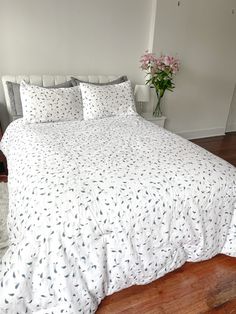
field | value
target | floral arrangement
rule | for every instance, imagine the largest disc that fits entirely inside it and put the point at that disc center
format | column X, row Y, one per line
column 160, row 74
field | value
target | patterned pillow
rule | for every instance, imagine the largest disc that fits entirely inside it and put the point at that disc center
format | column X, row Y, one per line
column 48, row 104
column 15, row 100
column 107, row 100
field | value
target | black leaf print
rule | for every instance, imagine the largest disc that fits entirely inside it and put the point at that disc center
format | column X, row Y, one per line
column 106, row 203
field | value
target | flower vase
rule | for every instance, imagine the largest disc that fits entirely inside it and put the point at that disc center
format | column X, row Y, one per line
column 157, row 111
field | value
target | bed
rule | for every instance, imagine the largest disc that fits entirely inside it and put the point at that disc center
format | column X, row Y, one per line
column 97, row 206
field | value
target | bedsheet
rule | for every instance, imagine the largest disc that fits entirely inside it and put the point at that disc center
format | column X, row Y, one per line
column 100, row 205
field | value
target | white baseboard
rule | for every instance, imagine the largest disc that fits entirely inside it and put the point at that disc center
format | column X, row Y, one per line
column 190, row 135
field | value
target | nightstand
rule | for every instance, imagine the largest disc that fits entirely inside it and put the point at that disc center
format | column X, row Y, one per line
column 3, row 163
column 160, row 121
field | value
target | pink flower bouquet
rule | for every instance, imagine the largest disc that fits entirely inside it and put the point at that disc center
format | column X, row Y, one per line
column 159, row 72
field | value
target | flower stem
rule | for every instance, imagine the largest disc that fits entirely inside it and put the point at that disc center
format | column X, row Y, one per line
column 157, row 111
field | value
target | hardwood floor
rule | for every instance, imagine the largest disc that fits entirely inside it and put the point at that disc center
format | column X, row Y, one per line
column 3, row 163
column 222, row 146
column 195, row 288
column 3, row 178
column 205, row 287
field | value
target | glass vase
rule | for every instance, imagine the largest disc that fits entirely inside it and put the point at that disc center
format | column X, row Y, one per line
column 157, row 111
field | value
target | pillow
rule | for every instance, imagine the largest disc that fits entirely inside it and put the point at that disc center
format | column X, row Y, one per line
column 119, row 80
column 15, row 100
column 49, row 104
column 107, row 100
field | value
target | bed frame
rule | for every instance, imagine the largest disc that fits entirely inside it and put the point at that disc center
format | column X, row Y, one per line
column 49, row 80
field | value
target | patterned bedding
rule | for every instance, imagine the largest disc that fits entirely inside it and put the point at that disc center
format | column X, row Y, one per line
column 100, row 205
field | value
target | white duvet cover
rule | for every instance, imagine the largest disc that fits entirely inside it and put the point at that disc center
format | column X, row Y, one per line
column 100, row 205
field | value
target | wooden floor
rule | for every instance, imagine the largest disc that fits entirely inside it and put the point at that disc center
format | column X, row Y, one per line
column 195, row 288
column 222, row 146
column 206, row 287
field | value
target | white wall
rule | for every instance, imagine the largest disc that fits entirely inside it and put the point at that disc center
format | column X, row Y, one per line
column 108, row 37
column 202, row 33
column 73, row 36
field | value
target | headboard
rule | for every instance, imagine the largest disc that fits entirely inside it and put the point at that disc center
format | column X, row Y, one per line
column 49, row 80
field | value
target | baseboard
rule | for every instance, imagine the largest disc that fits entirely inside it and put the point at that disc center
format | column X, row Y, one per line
column 190, row 135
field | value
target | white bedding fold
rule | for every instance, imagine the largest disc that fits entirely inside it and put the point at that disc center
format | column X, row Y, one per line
column 99, row 205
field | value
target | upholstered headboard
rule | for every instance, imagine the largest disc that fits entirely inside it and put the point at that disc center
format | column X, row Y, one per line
column 49, row 80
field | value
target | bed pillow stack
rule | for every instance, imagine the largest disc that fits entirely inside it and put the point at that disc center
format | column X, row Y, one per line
column 119, row 80
column 82, row 101
column 15, row 98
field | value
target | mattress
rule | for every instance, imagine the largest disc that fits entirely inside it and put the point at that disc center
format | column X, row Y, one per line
column 99, row 205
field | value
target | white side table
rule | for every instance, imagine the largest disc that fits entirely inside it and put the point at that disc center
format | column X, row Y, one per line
column 160, row 121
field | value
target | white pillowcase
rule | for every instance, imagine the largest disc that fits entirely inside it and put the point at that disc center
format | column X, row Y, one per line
column 48, row 104
column 107, row 100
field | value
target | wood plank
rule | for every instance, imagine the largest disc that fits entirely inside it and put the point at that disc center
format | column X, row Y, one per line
column 222, row 146
column 3, row 162
column 3, row 178
column 204, row 287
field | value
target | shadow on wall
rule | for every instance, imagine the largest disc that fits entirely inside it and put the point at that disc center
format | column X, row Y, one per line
column 4, row 116
column 231, row 122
